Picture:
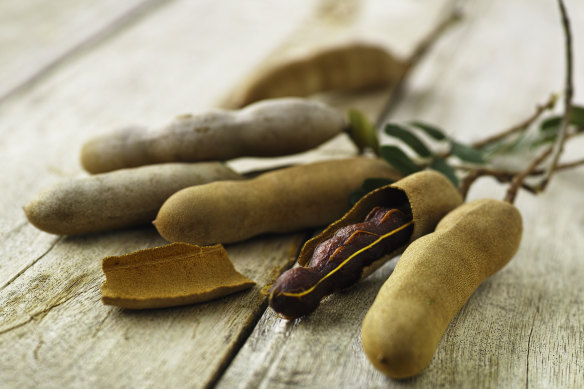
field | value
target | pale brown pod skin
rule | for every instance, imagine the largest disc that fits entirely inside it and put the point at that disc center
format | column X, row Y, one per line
column 351, row 66
column 124, row 198
column 284, row 200
column 434, row 278
column 271, row 128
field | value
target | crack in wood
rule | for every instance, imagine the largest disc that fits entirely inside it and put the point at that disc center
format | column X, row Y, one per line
column 31, row 264
column 42, row 315
column 529, row 342
column 101, row 323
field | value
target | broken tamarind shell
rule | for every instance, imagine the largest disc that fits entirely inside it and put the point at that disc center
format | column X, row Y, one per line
column 170, row 275
column 416, row 204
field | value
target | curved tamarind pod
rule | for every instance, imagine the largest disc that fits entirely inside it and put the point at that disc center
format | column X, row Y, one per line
column 123, row 198
column 422, row 199
column 434, row 278
column 283, row 200
column 270, row 128
column 355, row 65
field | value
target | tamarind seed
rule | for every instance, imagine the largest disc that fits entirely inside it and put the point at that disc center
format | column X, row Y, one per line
column 337, row 262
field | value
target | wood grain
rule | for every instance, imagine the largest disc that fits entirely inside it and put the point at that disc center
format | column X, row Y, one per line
column 36, row 36
column 522, row 327
column 54, row 330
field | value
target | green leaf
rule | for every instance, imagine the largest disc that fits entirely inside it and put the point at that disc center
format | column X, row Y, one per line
column 398, row 159
column 553, row 123
column 408, row 138
column 440, row 165
column 362, row 132
column 467, row 153
column 430, row 130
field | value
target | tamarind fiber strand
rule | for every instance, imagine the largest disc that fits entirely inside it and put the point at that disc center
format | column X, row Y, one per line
column 433, row 279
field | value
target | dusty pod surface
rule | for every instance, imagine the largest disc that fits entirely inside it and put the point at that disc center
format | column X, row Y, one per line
column 284, row 200
column 355, row 65
column 119, row 199
column 433, row 279
column 269, row 128
column 376, row 229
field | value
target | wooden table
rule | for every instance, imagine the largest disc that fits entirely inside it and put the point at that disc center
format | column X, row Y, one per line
column 72, row 69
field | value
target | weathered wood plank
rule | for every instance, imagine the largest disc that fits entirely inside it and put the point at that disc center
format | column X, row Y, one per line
column 37, row 35
column 55, row 328
column 52, row 322
column 105, row 89
column 523, row 326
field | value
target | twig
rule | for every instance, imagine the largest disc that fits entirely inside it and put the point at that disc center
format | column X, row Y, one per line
column 568, row 94
column 455, row 14
column 519, row 178
column 520, row 126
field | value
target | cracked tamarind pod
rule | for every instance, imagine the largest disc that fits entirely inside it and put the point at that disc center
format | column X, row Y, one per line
column 266, row 129
column 376, row 229
column 282, row 200
column 433, row 279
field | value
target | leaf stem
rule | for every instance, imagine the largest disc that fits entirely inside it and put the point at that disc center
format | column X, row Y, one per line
column 519, row 178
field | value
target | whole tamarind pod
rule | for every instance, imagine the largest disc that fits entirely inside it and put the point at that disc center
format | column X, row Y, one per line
column 283, row 200
column 356, row 65
column 123, row 198
column 433, row 279
column 376, row 229
column 270, row 128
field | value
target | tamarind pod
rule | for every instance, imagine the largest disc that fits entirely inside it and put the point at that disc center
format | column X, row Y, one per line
column 434, row 278
column 283, row 200
column 269, row 128
column 356, row 65
column 427, row 196
column 123, row 198
column 338, row 264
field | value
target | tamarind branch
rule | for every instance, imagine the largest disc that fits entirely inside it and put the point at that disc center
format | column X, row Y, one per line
column 519, row 178
column 568, row 94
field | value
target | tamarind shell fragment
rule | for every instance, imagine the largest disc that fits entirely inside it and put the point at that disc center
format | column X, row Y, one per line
column 426, row 196
column 433, row 279
column 170, row 275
